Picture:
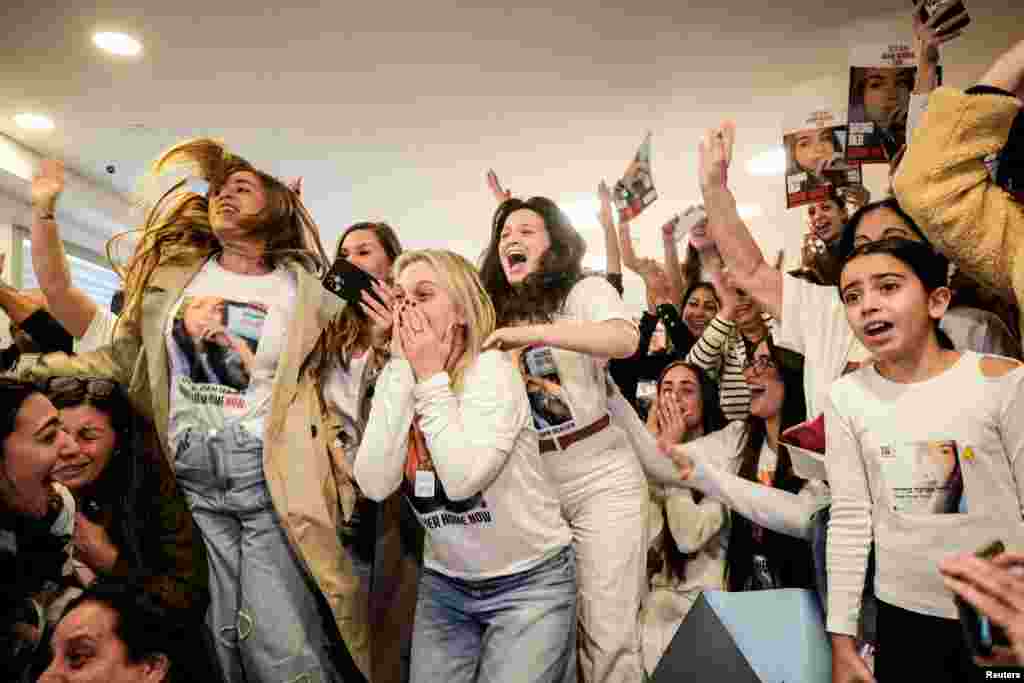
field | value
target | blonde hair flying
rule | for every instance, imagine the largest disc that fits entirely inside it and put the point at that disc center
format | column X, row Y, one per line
column 177, row 228
column 460, row 278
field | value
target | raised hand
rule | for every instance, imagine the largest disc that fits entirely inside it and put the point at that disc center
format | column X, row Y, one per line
column 728, row 298
column 715, row 152
column 928, row 34
column 500, row 194
column 701, row 238
column 47, row 185
column 295, row 185
column 659, row 289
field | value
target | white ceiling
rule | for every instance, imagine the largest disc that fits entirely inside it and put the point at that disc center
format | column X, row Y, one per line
column 395, row 110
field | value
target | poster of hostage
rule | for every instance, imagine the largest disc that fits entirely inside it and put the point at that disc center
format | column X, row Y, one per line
column 881, row 80
column 815, row 145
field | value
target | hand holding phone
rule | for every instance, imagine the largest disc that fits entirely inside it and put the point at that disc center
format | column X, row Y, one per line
column 979, row 632
column 348, row 281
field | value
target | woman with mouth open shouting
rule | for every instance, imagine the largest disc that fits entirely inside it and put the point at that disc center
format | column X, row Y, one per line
column 565, row 328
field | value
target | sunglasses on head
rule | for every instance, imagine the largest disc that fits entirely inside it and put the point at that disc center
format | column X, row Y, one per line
column 93, row 387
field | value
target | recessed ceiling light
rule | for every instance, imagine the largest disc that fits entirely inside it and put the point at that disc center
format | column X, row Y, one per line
column 119, row 44
column 33, row 121
column 771, row 162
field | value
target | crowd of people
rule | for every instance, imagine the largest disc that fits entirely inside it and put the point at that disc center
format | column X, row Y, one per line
column 492, row 471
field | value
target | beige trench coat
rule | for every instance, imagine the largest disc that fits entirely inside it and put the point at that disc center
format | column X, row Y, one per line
column 296, row 463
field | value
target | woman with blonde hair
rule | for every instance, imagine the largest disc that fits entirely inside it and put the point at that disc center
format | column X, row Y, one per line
column 450, row 428
column 250, row 458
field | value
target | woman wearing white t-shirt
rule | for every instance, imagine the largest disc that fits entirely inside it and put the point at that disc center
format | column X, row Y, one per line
column 924, row 460
column 450, row 427
column 563, row 328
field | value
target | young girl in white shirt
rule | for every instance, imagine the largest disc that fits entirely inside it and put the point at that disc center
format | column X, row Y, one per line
column 450, row 427
column 924, row 450
column 563, row 329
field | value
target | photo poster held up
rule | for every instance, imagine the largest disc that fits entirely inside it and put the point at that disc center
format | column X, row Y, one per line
column 881, row 79
column 815, row 145
column 635, row 191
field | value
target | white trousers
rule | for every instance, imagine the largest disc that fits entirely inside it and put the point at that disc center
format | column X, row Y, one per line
column 604, row 499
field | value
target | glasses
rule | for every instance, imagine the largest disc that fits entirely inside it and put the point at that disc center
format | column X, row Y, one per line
column 759, row 364
column 93, row 387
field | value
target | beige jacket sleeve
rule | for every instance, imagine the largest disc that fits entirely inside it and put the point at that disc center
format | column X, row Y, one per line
column 116, row 361
column 944, row 185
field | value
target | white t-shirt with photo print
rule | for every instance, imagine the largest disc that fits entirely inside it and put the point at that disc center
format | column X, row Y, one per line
column 925, row 470
column 568, row 390
column 224, row 340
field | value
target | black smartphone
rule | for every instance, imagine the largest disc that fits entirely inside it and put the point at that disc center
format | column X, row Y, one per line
column 349, row 281
column 955, row 9
column 979, row 632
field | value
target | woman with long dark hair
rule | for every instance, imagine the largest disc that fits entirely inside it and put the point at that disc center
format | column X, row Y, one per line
column 36, row 520
column 133, row 520
column 686, row 531
column 564, row 328
column 749, row 469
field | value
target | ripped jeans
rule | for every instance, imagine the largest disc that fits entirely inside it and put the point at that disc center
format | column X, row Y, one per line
column 263, row 613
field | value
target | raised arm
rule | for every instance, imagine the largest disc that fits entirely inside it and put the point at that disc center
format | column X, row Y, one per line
column 726, row 229
column 673, row 267
column 72, row 307
column 611, row 237
column 944, row 184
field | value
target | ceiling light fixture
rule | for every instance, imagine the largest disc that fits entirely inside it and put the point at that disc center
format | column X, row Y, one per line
column 770, row 162
column 120, row 44
column 33, row 121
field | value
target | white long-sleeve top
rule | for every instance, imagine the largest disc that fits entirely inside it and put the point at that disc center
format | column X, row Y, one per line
column 716, row 459
column 927, row 470
column 813, row 323
column 486, row 502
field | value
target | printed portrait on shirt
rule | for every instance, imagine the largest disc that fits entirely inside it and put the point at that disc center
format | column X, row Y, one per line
column 923, row 477
column 549, row 403
column 212, row 344
column 218, row 339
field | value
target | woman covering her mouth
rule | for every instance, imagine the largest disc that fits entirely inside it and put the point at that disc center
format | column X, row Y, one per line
column 746, row 467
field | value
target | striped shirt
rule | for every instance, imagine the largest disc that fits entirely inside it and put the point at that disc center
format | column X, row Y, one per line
column 721, row 352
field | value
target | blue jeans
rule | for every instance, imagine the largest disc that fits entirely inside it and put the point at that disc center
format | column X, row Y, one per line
column 511, row 629
column 263, row 611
